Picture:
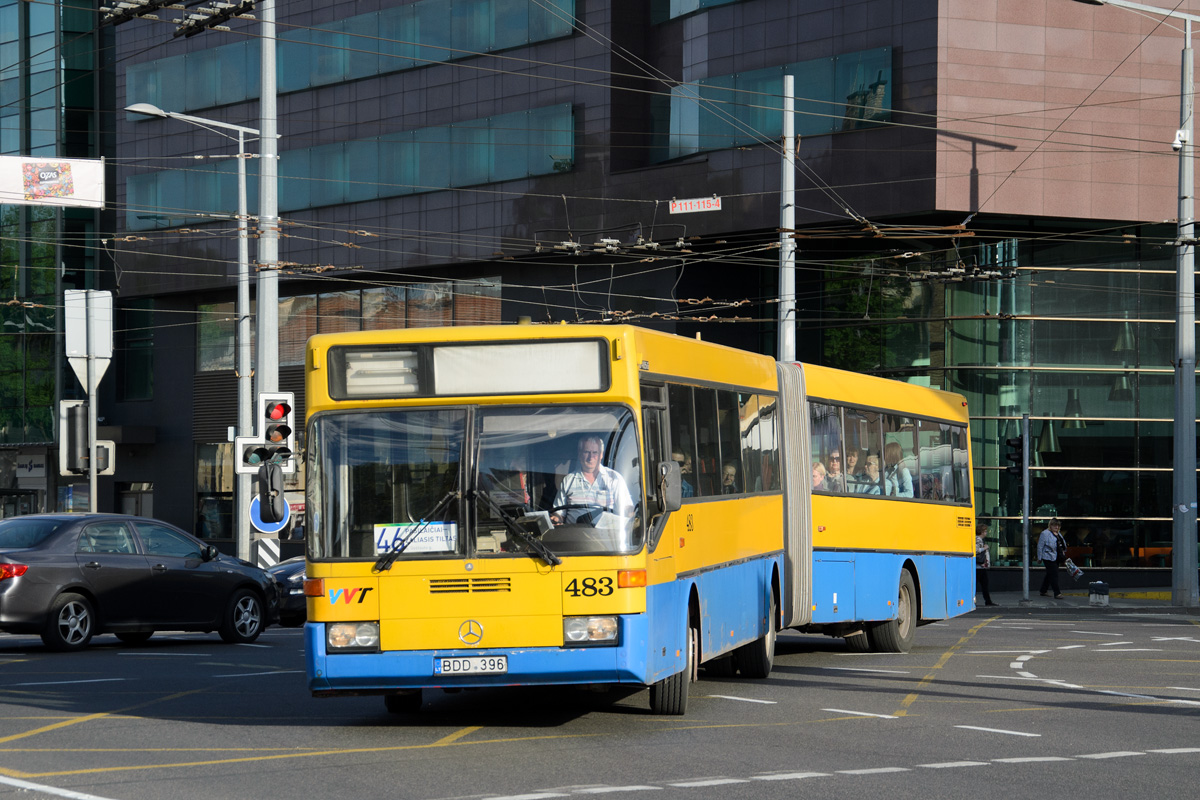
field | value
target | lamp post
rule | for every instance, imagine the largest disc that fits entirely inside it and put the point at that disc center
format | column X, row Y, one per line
column 1185, row 585
column 241, row 498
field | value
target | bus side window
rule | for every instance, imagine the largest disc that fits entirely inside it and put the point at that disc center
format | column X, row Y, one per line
column 825, row 428
column 683, row 435
column 962, row 465
column 731, row 452
column 749, row 424
column 653, row 448
column 708, row 449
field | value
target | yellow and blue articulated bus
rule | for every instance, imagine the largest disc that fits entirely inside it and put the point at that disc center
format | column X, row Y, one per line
column 527, row 505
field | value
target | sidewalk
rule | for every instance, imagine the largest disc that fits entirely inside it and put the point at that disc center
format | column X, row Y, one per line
column 1076, row 599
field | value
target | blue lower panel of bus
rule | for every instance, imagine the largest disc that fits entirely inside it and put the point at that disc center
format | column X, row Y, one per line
column 859, row 585
column 350, row 672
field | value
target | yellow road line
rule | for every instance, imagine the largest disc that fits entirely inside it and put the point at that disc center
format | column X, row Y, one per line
column 928, row 679
column 90, row 717
column 320, row 753
column 454, row 737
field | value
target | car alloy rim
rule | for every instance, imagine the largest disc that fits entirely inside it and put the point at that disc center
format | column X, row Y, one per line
column 74, row 623
column 246, row 616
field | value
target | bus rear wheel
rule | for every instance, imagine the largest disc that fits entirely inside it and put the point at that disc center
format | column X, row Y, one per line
column 755, row 660
column 670, row 695
column 896, row 635
column 858, row 643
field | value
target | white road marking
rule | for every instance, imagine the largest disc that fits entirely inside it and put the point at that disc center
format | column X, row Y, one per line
column 1114, row 754
column 1127, row 694
column 876, row 771
column 54, row 790
column 1030, row 759
column 1025, row 674
column 1016, row 665
column 859, row 713
column 866, row 669
column 64, row 683
column 252, row 674
column 1094, row 633
column 252, row 644
column 609, row 789
column 708, row 782
column 1114, row 644
column 743, row 699
column 1183, row 688
column 1007, row 652
column 1072, row 646
column 1177, row 750
column 996, row 730
column 1174, row 639
column 954, row 764
column 789, row 776
column 534, row 796
column 1131, row 650
column 1024, row 658
column 185, row 655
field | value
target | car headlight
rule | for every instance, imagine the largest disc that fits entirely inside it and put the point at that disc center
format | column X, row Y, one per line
column 346, row 636
column 589, row 631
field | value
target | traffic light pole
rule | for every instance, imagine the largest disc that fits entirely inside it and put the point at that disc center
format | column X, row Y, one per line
column 1025, row 507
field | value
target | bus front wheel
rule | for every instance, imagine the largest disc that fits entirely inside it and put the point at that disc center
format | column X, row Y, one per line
column 896, row 635
column 670, row 695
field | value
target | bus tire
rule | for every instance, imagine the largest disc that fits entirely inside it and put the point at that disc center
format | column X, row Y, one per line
column 669, row 696
column 754, row 660
column 404, row 703
column 858, row 643
column 896, row 635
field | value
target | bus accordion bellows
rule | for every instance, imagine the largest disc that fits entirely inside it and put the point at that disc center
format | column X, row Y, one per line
column 586, row 504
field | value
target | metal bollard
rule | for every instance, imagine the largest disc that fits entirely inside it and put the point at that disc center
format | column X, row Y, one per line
column 1098, row 593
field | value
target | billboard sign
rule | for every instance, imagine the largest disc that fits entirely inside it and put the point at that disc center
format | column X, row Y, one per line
column 76, row 182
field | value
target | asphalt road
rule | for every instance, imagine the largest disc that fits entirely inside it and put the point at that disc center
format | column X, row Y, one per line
column 1013, row 704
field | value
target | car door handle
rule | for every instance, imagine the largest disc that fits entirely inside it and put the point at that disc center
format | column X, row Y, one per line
column 160, row 567
column 93, row 565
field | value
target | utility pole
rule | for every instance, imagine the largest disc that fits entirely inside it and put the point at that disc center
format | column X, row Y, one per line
column 787, row 225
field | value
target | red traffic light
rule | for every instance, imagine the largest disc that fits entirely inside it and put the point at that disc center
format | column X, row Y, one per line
column 277, row 411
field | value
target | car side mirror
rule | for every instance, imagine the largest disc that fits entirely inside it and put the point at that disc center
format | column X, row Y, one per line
column 210, row 553
column 670, row 487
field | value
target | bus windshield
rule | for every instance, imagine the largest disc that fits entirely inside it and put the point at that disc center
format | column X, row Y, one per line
column 487, row 481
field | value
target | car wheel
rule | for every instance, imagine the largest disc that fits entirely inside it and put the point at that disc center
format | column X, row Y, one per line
column 243, row 620
column 71, row 623
column 135, row 637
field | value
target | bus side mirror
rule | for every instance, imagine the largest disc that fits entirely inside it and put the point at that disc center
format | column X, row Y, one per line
column 670, row 492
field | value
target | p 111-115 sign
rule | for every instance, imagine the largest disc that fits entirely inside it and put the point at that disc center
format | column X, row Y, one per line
column 696, row 204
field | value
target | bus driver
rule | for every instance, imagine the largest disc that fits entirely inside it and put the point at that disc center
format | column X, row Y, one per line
column 594, row 487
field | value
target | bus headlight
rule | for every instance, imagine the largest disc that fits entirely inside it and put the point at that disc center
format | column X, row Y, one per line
column 589, row 630
column 352, row 636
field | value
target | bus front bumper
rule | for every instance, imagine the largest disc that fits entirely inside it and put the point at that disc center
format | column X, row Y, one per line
column 380, row 672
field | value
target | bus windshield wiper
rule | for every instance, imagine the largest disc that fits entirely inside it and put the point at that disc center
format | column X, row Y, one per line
column 536, row 544
column 387, row 559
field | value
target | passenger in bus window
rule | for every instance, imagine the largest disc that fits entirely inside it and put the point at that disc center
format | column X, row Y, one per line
column 685, row 470
column 835, row 479
column 854, row 475
column 592, row 488
column 729, row 478
column 819, row 477
column 870, row 479
column 896, row 476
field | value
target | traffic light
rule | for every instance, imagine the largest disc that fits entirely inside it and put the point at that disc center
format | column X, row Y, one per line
column 77, row 438
column 274, row 441
column 1016, row 454
column 272, row 504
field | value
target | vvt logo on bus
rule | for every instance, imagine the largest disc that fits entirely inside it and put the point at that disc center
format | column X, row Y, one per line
column 347, row 595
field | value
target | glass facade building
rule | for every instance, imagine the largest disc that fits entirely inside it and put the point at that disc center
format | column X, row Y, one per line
column 51, row 101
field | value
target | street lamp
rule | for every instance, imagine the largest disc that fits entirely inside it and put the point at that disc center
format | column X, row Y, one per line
column 1184, row 582
column 241, row 498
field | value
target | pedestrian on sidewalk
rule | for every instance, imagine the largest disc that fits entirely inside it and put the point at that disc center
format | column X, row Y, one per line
column 1051, row 548
column 983, row 562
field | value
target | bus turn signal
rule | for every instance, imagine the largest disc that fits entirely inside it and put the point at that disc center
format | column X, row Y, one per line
column 631, row 578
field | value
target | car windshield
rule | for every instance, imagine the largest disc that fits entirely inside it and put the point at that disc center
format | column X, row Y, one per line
column 535, row 482
column 18, row 532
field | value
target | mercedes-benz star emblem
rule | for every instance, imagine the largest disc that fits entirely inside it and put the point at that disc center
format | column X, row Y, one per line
column 470, row 632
